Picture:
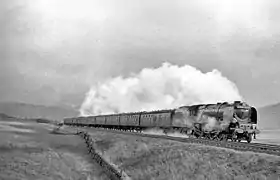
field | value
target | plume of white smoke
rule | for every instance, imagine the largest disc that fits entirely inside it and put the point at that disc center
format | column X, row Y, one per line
column 182, row 118
column 168, row 86
column 154, row 131
column 211, row 123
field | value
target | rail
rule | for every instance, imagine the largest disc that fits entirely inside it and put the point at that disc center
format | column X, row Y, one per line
column 240, row 146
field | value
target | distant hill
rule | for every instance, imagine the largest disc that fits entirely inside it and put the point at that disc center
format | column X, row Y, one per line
column 23, row 110
column 269, row 117
column 6, row 117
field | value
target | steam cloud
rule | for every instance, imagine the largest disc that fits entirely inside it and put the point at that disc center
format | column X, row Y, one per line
column 182, row 118
column 168, row 86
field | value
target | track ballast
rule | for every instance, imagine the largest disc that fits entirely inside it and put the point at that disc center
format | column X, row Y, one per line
column 240, row 146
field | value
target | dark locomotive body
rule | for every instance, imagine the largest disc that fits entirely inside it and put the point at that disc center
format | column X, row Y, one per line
column 235, row 121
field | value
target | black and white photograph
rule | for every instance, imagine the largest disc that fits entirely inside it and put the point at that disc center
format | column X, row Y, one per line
column 140, row 90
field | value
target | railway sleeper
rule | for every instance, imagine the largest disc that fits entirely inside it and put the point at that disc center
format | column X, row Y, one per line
column 269, row 149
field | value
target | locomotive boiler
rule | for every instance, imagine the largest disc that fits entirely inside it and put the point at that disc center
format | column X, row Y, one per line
column 235, row 121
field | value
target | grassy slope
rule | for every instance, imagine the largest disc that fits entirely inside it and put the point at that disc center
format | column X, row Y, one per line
column 145, row 158
column 37, row 154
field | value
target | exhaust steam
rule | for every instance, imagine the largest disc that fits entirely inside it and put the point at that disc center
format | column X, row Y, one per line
column 168, row 86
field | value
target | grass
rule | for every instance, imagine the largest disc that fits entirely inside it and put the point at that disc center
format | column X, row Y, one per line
column 29, row 151
column 145, row 158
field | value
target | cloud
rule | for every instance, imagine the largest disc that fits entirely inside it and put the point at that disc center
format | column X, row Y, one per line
column 70, row 45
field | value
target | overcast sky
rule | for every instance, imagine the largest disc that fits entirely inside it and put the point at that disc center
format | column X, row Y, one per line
column 51, row 51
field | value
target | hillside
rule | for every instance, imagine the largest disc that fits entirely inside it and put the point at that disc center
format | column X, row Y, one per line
column 36, row 111
column 269, row 117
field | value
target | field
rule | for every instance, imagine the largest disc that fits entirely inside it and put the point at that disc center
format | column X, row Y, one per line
column 144, row 158
column 29, row 151
column 269, row 136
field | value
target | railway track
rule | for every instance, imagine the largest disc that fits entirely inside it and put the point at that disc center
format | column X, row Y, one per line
column 240, row 146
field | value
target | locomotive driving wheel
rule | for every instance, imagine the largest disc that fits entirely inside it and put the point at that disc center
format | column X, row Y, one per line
column 234, row 137
column 223, row 137
column 249, row 138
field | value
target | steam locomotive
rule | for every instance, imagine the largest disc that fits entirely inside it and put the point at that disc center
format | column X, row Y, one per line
column 235, row 121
